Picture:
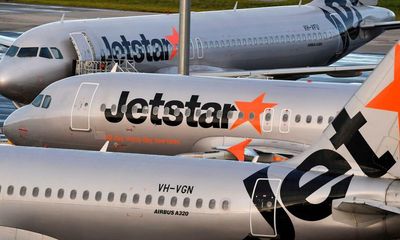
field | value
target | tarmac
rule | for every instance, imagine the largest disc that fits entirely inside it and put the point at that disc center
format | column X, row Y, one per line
column 22, row 17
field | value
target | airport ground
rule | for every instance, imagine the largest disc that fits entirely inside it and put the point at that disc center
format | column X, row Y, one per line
column 22, row 17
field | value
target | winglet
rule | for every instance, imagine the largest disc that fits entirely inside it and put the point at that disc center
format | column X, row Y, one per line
column 238, row 149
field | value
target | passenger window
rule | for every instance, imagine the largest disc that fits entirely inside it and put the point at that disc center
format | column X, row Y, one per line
column 10, row 190
column 268, row 117
column 211, row 205
column 35, row 192
column 186, row 202
column 12, row 51
column 47, row 193
column 97, row 196
column 45, row 53
column 37, row 101
column 46, row 102
column 208, row 113
column 177, row 111
column 110, row 197
column 251, row 116
column 241, row 115
column 285, row 117
column 22, row 191
column 188, row 112
column 28, row 52
column 123, row 198
column 73, row 194
column 85, row 195
column 199, row 203
column 225, row 205
column 102, row 107
column 297, row 119
column 330, row 120
column 148, row 199
column 174, row 200
column 309, row 119
column 320, row 119
column 60, row 193
column 123, row 108
column 135, row 198
column 161, row 200
column 155, row 111
column 56, row 53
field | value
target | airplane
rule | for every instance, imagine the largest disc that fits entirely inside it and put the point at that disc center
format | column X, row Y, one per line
column 346, row 186
column 315, row 34
column 208, row 117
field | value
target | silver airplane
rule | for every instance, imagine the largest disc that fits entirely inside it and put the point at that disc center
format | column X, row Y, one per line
column 172, row 114
column 321, row 32
column 346, row 186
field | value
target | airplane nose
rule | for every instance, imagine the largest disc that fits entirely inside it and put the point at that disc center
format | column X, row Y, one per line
column 13, row 129
column 13, row 85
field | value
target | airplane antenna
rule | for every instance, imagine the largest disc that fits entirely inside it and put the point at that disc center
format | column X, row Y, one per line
column 300, row 3
column 105, row 147
column 236, row 5
column 62, row 18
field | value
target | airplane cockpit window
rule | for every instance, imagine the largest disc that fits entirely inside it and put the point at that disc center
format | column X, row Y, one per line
column 12, row 51
column 45, row 53
column 56, row 53
column 37, row 101
column 28, row 52
column 46, row 102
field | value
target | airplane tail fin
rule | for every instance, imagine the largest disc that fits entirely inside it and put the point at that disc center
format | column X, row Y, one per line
column 364, row 136
column 345, row 2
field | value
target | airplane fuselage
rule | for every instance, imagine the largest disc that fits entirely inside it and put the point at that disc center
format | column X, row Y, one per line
column 263, row 38
column 172, row 114
column 123, row 196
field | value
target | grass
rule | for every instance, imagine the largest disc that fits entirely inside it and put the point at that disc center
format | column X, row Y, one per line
column 169, row 6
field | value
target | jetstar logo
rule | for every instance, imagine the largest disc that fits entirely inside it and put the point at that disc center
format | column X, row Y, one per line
column 152, row 50
column 192, row 112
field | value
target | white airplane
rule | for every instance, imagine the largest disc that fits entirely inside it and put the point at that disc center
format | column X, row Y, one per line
column 346, row 186
column 205, row 117
column 315, row 34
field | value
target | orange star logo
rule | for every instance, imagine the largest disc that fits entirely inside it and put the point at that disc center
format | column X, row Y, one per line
column 252, row 111
column 174, row 40
column 389, row 98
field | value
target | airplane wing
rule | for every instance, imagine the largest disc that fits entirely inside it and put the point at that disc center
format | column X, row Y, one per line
column 361, row 212
column 7, row 38
column 384, row 25
column 255, row 150
column 294, row 73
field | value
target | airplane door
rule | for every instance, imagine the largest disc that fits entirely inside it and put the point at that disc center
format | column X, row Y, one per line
column 80, row 114
column 83, row 46
column 264, row 205
column 200, row 51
